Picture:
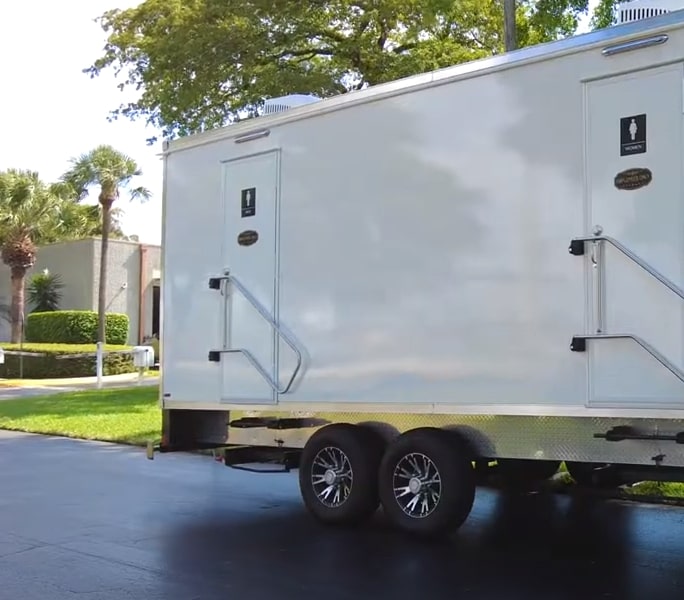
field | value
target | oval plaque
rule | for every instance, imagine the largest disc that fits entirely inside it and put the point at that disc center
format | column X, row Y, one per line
column 248, row 237
column 633, row 179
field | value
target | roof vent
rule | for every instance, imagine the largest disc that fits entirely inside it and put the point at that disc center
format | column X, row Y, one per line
column 637, row 10
column 276, row 105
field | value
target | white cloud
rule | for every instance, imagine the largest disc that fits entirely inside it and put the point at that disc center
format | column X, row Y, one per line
column 51, row 111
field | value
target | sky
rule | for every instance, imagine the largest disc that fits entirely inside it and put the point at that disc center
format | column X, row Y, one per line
column 51, row 111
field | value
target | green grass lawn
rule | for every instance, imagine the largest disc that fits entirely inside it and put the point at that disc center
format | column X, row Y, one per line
column 130, row 415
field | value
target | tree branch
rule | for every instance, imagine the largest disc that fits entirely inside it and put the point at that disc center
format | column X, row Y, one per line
column 299, row 53
column 404, row 47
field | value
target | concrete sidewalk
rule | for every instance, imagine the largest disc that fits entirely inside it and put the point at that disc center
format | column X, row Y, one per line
column 16, row 388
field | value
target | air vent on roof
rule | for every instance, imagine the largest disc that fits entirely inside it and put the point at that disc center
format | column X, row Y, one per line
column 638, row 10
column 276, row 105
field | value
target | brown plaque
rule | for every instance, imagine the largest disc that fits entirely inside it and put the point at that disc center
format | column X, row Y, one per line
column 248, row 237
column 633, row 179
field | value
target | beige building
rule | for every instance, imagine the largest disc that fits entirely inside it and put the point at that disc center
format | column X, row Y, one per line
column 133, row 279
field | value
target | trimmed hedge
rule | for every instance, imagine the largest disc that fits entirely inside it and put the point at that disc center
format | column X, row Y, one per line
column 75, row 327
column 47, row 361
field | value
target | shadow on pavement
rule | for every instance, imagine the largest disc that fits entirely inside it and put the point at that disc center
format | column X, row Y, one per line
column 513, row 546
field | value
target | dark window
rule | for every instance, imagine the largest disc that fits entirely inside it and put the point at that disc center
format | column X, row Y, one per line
column 155, row 310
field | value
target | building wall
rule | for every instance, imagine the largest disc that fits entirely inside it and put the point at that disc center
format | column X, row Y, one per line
column 73, row 261
column 129, row 283
column 78, row 263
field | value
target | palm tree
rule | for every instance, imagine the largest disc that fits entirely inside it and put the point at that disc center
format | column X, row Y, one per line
column 77, row 221
column 45, row 291
column 111, row 171
column 27, row 212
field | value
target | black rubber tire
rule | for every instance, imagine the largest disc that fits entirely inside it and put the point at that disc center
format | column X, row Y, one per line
column 451, row 459
column 363, row 448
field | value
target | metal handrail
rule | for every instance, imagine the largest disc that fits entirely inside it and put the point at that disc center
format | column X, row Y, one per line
column 661, row 358
column 636, row 259
column 267, row 317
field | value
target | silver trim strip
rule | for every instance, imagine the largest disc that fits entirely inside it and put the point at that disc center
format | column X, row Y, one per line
column 656, row 40
column 388, row 410
column 254, row 135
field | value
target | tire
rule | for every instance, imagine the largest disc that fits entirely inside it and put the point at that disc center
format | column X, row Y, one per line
column 355, row 453
column 416, row 511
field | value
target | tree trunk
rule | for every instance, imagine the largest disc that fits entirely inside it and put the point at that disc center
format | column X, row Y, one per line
column 102, row 291
column 18, row 275
column 510, row 38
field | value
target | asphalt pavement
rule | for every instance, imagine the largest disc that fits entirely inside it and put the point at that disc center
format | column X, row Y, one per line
column 101, row 522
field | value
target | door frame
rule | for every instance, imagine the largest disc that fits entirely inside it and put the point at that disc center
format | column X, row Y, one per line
column 596, row 303
column 275, row 151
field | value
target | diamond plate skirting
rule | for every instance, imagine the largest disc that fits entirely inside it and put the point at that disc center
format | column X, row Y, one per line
column 501, row 436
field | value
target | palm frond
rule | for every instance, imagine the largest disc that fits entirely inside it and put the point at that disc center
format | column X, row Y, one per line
column 106, row 168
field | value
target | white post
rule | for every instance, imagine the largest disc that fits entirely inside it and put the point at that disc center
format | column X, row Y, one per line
column 98, row 362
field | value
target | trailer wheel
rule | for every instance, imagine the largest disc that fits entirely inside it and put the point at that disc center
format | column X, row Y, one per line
column 338, row 473
column 427, row 482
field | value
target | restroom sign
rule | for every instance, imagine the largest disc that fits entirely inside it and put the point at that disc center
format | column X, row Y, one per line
column 248, row 202
column 633, row 135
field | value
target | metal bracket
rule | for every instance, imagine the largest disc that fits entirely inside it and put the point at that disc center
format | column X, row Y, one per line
column 576, row 247
column 578, row 344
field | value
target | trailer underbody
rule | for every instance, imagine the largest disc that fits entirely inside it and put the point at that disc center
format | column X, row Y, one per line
column 424, row 469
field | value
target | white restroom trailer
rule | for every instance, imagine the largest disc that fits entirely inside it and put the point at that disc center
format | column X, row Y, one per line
column 394, row 288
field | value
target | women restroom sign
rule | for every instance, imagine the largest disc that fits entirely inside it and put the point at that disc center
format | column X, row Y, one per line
column 633, row 135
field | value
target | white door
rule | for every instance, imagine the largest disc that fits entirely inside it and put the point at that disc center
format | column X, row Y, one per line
column 250, row 188
column 634, row 188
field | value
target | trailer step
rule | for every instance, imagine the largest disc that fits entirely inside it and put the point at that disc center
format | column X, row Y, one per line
column 277, row 423
column 237, row 457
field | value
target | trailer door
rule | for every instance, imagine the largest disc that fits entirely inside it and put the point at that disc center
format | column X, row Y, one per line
column 250, row 188
column 634, row 196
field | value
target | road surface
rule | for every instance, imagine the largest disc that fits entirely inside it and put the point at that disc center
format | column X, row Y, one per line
column 100, row 522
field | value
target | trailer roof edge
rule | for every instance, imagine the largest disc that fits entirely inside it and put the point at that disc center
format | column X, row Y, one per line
column 539, row 52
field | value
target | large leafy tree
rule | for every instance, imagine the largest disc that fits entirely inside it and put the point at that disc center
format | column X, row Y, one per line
column 604, row 14
column 197, row 64
column 111, row 171
column 28, row 215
